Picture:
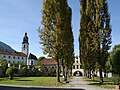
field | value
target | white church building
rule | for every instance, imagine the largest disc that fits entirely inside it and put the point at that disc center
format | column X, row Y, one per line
column 19, row 57
column 31, row 59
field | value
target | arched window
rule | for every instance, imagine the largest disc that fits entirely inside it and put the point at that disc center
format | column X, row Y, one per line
column 77, row 61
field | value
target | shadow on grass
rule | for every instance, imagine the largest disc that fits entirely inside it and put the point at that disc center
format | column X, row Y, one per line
column 24, row 80
column 91, row 80
column 2, row 79
column 98, row 83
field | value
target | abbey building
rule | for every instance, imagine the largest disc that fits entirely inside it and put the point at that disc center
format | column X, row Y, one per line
column 12, row 56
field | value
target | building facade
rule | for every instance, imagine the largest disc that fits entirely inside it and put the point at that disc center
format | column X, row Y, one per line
column 32, row 59
column 25, row 45
column 77, row 70
column 19, row 57
column 13, row 57
column 48, row 62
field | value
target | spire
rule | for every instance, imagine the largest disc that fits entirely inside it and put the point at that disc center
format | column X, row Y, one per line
column 25, row 39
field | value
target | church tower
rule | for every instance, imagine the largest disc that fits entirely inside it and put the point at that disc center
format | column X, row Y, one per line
column 25, row 45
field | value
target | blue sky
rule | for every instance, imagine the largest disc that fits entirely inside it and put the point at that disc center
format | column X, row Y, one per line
column 20, row 16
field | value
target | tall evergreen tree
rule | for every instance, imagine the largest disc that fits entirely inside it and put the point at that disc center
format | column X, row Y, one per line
column 103, row 32
column 95, row 34
column 83, row 23
column 53, row 36
column 87, row 51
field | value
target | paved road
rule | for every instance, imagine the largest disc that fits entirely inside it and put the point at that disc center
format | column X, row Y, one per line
column 12, row 87
column 78, row 82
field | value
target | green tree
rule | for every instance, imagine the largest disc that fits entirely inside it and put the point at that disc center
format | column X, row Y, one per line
column 39, row 59
column 4, row 66
column 87, row 34
column 82, row 39
column 67, row 51
column 114, row 59
column 103, row 30
column 51, row 71
column 95, row 34
column 53, row 35
column 24, row 71
column 11, row 71
column 34, row 71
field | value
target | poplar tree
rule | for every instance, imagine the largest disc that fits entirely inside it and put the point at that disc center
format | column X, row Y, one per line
column 86, row 36
column 82, row 39
column 95, row 34
column 103, row 32
column 55, row 31
column 68, row 43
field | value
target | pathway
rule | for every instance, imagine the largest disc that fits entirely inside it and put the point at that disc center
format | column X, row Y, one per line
column 78, row 82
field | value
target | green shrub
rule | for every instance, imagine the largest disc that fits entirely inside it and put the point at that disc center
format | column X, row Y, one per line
column 116, row 80
column 11, row 71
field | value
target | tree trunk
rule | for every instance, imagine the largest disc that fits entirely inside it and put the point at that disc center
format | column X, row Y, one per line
column 93, row 75
column 90, row 74
column 71, row 72
column 105, row 74
column 63, row 67
column 57, row 71
column 101, row 76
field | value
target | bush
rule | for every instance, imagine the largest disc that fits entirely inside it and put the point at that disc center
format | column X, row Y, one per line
column 24, row 71
column 51, row 71
column 116, row 80
column 3, row 68
column 11, row 71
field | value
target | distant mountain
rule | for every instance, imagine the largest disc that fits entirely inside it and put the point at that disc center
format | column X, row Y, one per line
column 4, row 46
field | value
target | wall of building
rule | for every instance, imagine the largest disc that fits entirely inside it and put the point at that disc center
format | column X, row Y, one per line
column 77, row 66
column 31, row 62
column 12, row 58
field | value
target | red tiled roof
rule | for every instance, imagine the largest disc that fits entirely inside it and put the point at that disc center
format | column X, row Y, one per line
column 13, row 53
column 48, row 62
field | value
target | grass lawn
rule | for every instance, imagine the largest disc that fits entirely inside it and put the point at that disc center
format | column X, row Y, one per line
column 30, row 81
column 108, row 82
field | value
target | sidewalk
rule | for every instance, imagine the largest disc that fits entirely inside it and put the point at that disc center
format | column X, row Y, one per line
column 78, row 82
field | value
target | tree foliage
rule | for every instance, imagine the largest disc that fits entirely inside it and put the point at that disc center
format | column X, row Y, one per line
column 11, row 71
column 95, row 34
column 39, row 59
column 114, row 60
column 56, row 35
column 4, row 66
